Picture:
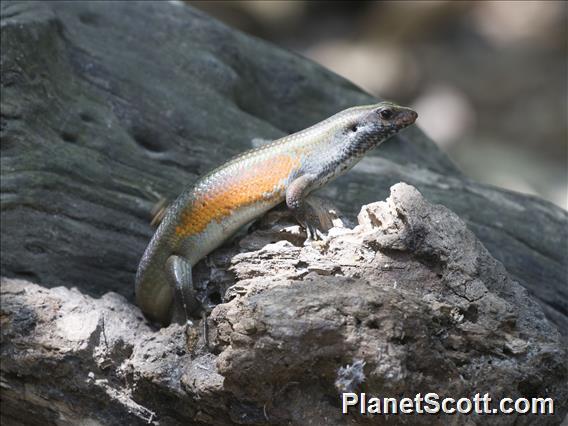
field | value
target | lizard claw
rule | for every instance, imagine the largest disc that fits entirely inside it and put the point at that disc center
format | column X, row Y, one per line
column 320, row 234
column 313, row 233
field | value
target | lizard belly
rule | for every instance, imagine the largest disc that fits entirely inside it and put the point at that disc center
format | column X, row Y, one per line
column 229, row 198
column 216, row 232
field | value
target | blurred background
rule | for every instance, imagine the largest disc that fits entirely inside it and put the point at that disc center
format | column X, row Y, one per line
column 488, row 78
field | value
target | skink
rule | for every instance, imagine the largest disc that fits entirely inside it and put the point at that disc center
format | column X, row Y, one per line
column 243, row 189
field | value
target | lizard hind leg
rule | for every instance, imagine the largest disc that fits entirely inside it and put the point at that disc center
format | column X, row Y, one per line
column 184, row 305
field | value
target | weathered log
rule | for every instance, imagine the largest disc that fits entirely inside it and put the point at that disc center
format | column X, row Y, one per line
column 108, row 108
column 410, row 298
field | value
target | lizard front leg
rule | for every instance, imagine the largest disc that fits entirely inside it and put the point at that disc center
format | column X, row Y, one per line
column 303, row 211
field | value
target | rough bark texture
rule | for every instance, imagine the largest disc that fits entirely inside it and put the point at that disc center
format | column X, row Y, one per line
column 408, row 301
column 108, row 108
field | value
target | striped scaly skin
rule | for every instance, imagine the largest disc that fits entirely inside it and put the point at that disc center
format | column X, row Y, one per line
column 243, row 189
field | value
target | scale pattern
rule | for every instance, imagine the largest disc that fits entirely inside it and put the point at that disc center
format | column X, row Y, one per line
column 223, row 193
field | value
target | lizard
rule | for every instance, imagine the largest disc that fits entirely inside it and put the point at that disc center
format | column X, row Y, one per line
column 220, row 203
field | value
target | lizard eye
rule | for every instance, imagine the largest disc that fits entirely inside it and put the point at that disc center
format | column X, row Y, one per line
column 386, row 113
column 353, row 128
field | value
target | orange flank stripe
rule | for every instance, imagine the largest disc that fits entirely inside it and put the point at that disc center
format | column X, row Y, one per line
column 260, row 182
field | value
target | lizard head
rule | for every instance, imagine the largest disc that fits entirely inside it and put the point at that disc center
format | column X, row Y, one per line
column 344, row 138
column 370, row 125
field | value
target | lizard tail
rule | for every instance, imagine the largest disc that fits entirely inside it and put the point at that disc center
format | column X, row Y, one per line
column 154, row 294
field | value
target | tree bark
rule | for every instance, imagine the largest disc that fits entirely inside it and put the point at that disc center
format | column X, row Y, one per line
column 108, row 109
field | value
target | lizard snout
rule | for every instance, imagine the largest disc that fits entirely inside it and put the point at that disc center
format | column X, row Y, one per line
column 408, row 117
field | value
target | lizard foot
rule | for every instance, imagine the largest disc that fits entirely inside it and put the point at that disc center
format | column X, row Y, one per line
column 309, row 211
column 316, row 217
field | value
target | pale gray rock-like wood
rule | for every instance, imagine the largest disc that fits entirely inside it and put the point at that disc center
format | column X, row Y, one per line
column 109, row 107
column 409, row 300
